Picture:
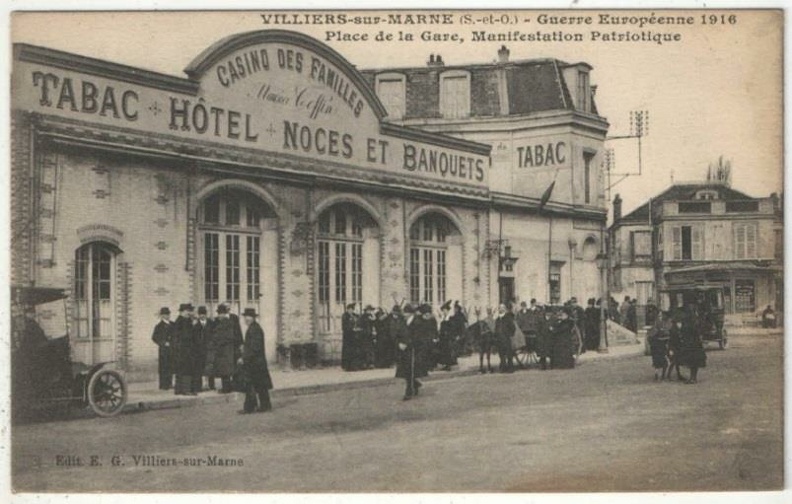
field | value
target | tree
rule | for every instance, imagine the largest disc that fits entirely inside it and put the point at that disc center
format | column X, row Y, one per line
column 720, row 172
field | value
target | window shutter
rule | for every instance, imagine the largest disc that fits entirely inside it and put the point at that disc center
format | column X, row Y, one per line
column 697, row 245
column 750, row 241
column 676, row 238
column 739, row 239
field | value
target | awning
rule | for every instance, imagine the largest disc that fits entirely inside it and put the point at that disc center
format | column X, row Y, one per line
column 728, row 267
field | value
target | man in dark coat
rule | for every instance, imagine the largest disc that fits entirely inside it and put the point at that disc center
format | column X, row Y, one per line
column 202, row 335
column 224, row 348
column 504, row 331
column 691, row 352
column 385, row 344
column 254, row 361
column 350, row 329
column 412, row 337
column 163, row 337
column 183, row 342
column 528, row 320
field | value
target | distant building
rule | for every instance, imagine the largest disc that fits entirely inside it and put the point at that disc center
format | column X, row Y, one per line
column 541, row 120
column 697, row 233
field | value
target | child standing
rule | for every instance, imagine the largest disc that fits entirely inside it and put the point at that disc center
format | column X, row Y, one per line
column 658, row 346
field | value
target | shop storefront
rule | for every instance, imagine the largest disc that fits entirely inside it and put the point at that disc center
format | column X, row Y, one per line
column 266, row 178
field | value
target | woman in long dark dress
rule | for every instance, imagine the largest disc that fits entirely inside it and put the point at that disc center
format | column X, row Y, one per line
column 448, row 336
column 563, row 341
column 691, row 353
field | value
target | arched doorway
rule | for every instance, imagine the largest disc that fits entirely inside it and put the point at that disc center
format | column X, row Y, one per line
column 95, row 289
column 238, row 256
column 435, row 266
column 347, row 269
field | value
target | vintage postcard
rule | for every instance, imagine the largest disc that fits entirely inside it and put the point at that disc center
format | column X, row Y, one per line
column 405, row 251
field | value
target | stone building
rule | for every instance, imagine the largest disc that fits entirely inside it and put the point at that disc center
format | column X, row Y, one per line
column 702, row 233
column 272, row 176
column 541, row 120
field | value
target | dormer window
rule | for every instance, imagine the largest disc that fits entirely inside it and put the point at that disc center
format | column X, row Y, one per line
column 583, row 91
column 391, row 91
column 455, row 94
column 706, row 195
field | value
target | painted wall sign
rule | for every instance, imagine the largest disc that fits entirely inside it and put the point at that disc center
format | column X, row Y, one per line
column 273, row 96
column 542, row 154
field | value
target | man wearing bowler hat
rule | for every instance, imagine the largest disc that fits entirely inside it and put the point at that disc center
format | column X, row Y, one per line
column 183, row 342
column 254, row 362
column 224, row 348
column 202, row 334
column 163, row 337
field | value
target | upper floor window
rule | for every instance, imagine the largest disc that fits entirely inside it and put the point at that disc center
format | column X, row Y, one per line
column 392, row 93
column 688, row 243
column 745, row 240
column 695, row 207
column 641, row 245
column 455, row 94
column 707, row 195
column 583, row 92
column 742, row 206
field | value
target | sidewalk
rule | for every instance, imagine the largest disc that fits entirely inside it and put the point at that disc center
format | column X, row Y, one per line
column 144, row 396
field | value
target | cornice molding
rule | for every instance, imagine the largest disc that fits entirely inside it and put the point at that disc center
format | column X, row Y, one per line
column 102, row 68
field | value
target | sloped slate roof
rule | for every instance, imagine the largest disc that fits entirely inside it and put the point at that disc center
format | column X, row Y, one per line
column 533, row 86
column 682, row 192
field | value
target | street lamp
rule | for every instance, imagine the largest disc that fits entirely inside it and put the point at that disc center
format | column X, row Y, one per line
column 602, row 263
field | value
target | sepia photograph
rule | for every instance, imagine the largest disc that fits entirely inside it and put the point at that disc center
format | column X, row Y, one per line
column 396, row 251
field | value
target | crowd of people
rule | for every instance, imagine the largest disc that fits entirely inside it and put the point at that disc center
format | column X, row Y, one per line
column 194, row 347
column 196, row 350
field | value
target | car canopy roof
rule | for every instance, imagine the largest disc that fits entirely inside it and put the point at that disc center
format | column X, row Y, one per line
column 36, row 295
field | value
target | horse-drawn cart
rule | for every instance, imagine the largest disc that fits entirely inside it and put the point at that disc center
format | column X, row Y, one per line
column 44, row 377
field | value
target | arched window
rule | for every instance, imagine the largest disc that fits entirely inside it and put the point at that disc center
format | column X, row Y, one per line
column 230, row 224
column 342, row 231
column 430, row 237
column 94, row 292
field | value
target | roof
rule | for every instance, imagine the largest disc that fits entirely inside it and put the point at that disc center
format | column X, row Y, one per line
column 681, row 192
column 534, row 85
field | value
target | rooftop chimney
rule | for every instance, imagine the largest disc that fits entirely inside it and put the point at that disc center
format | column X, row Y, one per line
column 503, row 54
column 617, row 208
column 435, row 61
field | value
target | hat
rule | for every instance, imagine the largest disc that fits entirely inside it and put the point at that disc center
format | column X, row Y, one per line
column 164, row 310
column 409, row 308
column 369, row 308
column 533, row 300
column 350, row 306
column 186, row 306
column 221, row 309
column 249, row 312
column 424, row 309
column 446, row 305
column 201, row 310
column 397, row 308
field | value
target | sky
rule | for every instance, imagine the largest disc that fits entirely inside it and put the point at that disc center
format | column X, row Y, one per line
column 717, row 92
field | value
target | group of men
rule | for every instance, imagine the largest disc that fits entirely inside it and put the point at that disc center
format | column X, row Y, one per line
column 194, row 346
column 370, row 339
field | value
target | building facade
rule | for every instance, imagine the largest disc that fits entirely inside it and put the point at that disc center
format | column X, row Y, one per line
column 540, row 118
column 271, row 176
column 702, row 233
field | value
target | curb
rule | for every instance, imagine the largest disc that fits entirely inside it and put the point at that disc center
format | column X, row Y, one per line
column 181, row 402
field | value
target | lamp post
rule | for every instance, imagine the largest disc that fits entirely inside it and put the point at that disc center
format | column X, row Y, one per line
column 602, row 263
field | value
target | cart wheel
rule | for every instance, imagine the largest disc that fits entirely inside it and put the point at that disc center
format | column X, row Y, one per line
column 107, row 393
column 724, row 342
